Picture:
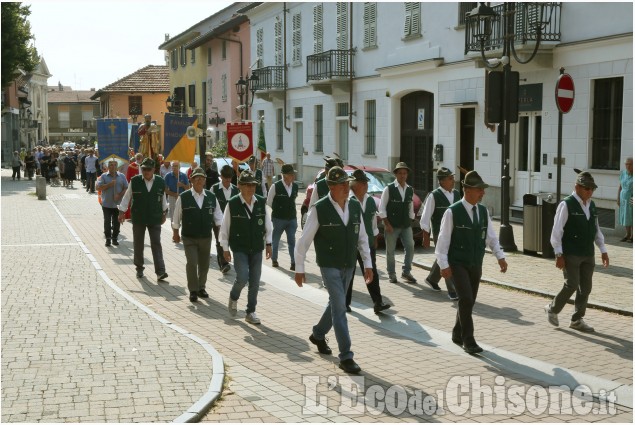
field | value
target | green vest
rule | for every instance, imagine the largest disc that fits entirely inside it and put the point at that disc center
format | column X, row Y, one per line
column 258, row 175
column 398, row 210
column 147, row 207
column 283, row 205
column 579, row 233
column 197, row 222
column 336, row 244
column 322, row 188
column 217, row 188
column 369, row 214
column 467, row 246
column 440, row 205
column 247, row 234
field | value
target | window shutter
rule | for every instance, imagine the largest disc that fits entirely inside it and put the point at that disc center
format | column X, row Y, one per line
column 370, row 24
column 416, row 18
column 278, row 42
column 318, row 29
column 260, row 47
column 223, row 80
column 297, row 39
column 209, row 90
column 342, row 25
column 408, row 23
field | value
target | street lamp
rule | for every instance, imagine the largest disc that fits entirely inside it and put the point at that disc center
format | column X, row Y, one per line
column 480, row 22
column 173, row 104
column 243, row 87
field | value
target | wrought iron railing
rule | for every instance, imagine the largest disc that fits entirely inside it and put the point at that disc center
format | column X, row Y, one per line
column 269, row 78
column 526, row 17
column 330, row 64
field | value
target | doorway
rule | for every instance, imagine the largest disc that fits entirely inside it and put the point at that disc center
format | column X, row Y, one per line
column 526, row 140
column 417, row 133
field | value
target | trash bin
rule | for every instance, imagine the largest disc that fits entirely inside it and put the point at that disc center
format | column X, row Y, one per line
column 539, row 210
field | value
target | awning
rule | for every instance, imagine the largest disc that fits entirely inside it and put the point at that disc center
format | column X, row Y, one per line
column 458, row 104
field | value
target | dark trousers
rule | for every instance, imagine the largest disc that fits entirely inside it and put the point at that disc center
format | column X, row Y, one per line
column 16, row 172
column 220, row 254
column 578, row 274
column 90, row 181
column 138, row 235
column 373, row 287
column 196, row 261
column 111, row 222
column 466, row 281
column 435, row 274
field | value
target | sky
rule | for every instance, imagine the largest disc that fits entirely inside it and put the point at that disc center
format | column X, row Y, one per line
column 90, row 44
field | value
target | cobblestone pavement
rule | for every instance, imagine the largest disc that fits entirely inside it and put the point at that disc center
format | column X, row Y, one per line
column 411, row 369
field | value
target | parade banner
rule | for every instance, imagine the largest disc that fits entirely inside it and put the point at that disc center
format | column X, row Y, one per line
column 133, row 137
column 112, row 135
column 262, row 145
column 239, row 142
column 180, row 137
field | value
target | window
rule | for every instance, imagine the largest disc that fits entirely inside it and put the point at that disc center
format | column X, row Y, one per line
column 64, row 116
column 193, row 54
column 278, row 42
column 370, row 136
column 174, row 59
column 279, row 125
column 297, row 40
column 191, row 96
column 209, row 90
column 223, row 81
column 224, row 50
column 319, row 128
column 412, row 26
column 342, row 25
column 370, row 24
column 260, row 48
column 87, row 117
column 342, row 110
column 297, row 112
column 318, row 28
column 464, row 8
column 209, row 55
column 135, row 106
column 183, row 54
column 606, row 136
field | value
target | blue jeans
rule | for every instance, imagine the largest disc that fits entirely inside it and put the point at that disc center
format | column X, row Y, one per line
column 280, row 226
column 407, row 240
column 248, row 267
column 334, row 316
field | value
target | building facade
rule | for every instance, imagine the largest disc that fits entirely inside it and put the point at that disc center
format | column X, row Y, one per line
column 72, row 115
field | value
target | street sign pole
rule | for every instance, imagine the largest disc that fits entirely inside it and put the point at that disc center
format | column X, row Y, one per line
column 565, row 95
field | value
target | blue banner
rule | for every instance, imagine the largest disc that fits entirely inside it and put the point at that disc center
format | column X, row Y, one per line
column 180, row 137
column 112, row 135
column 133, row 136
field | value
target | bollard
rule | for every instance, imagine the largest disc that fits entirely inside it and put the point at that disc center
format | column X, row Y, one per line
column 40, row 188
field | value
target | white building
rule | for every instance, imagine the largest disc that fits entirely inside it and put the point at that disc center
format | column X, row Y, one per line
column 380, row 83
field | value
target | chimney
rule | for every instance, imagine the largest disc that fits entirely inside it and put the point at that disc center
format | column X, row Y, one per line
column 167, row 36
column 92, row 89
column 60, row 87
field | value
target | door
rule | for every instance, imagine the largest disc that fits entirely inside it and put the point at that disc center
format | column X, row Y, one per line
column 528, row 156
column 416, row 139
column 299, row 149
column 341, row 147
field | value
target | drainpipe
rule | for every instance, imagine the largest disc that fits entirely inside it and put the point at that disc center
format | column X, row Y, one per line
column 350, row 59
column 284, row 112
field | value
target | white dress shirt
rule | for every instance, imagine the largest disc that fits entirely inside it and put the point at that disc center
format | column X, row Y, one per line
column 311, row 227
column 127, row 197
column 199, row 198
column 445, row 236
column 272, row 192
column 429, row 206
column 562, row 215
column 385, row 197
column 223, row 235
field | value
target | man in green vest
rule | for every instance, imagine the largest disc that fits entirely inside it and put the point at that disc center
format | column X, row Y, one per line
column 321, row 188
column 359, row 191
column 149, row 210
column 198, row 212
column 223, row 191
column 575, row 229
column 261, row 189
column 397, row 212
column 466, row 229
column 436, row 203
column 281, row 199
column 336, row 225
column 246, row 229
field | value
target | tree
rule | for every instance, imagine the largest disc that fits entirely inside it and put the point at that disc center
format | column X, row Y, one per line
column 18, row 51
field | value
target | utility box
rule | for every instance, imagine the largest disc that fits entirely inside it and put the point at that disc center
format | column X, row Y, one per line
column 538, row 214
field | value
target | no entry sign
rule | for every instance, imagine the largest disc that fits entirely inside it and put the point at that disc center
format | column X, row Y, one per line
column 565, row 93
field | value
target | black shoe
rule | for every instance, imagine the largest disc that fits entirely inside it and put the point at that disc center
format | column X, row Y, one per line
column 348, row 309
column 115, row 242
column 379, row 307
column 274, row 263
column 472, row 348
column 349, row 366
column 193, row 297
column 226, row 268
column 203, row 293
column 162, row 276
column 457, row 340
column 292, row 268
column 432, row 285
column 139, row 274
column 322, row 346
column 107, row 242
column 453, row 296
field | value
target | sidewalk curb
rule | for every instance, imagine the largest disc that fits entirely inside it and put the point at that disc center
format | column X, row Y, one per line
column 597, row 306
column 199, row 409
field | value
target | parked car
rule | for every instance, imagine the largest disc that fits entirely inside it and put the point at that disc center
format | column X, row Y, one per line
column 379, row 179
column 220, row 162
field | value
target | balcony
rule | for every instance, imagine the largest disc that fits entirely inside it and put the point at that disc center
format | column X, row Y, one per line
column 527, row 15
column 330, row 70
column 271, row 82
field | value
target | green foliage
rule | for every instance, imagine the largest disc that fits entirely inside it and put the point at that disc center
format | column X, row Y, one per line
column 220, row 147
column 17, row 49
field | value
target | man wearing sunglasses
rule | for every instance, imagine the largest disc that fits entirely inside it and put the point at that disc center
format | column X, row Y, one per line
column 575, row 229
